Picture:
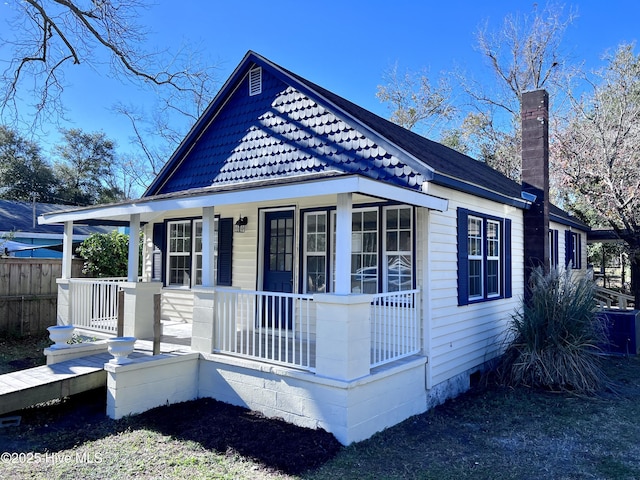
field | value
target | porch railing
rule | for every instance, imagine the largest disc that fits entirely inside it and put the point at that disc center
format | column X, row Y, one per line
column 94, row 303
column 269, row 326
column 612, row 299
column 395, row 326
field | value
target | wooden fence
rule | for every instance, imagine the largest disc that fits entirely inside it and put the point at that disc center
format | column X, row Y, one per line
column 29, row 293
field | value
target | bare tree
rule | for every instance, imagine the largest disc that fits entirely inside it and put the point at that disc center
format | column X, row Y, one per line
column 523, row 54
column 47, row 37
column 598, row 152
column 414, row 102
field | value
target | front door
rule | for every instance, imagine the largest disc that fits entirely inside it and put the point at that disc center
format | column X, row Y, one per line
column 278, row 268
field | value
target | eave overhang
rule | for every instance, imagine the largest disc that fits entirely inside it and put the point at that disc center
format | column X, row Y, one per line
column 151, row 207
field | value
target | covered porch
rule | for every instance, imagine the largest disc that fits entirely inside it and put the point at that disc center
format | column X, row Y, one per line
column 341, row 332
column 285, row 324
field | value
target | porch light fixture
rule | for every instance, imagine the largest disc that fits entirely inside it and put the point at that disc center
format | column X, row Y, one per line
column 241, row 224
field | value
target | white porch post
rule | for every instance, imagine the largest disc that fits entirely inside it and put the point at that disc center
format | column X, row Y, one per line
column 343, row 331
column 208, row 247
column 63, row 310
column 343, row 336
column 134, row 247
column 67, row 250
column 202, row 337
column 343, row 244
column 138, row 297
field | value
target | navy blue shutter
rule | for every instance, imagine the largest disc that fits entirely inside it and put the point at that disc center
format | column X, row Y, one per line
column 463, row 257
column 507, row 260
column 159, row 235
column 568, row 248
column 554, row 246
column 225, row 247
column 578, row 246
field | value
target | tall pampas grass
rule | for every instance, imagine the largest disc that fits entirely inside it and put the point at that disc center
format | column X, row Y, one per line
column 556, row 336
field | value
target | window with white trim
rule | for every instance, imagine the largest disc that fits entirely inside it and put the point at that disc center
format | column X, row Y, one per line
column 179, row 253
column 184, row 265
column 484, row 257
column 474, row 235
column 364, row 251
column 573, row 249
column 493, row 258
column 398, row 249
column 381, row 250
column 315, row 252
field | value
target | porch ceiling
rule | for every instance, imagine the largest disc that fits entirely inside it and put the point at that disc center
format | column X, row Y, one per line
column 150, row 207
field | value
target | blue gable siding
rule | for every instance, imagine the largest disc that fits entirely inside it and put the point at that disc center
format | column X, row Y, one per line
column 280, row 133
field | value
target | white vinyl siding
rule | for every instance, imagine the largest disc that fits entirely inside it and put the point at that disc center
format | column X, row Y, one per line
column 460, row 339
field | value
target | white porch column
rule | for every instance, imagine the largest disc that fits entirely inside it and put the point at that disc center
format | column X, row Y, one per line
column 343, row 244
column 63, row 310
column 208, row 247
column 138, row 308
column 203, row 320
column 343, row 336
column 67, row 250
column 134, row 247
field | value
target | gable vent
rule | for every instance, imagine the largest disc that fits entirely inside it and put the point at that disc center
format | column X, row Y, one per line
column 255, row 81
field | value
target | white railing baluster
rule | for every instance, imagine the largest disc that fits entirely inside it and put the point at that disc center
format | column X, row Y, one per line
column 395, row 326
column 258, row 326
column 94, row 303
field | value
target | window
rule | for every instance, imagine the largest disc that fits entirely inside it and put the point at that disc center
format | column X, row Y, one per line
column 474, row 236
column 364, row 251
column 493, row 258
column 184, row 258
column 179, row 252
column 398, row 249
column 484, row 257
column 573, row 249
column 381, row 250
column 315, row 252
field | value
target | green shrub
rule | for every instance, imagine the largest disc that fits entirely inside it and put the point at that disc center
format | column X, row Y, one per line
column 556, row 336
column 105, row 254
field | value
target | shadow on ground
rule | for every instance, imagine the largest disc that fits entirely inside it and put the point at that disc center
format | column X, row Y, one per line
column 214, row 425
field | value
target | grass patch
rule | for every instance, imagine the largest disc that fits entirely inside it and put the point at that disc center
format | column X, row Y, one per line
column 489, row 432
column 18, row 353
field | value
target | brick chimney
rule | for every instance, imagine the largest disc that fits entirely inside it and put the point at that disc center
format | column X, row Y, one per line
column 535, row 180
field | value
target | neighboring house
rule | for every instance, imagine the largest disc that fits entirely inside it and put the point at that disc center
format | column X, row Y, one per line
column 338, row 270
column 22, row 236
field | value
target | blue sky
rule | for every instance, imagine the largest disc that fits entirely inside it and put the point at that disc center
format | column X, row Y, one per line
column 345, row 46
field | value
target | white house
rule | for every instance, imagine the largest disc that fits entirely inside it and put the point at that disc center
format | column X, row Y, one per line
column 338, row 271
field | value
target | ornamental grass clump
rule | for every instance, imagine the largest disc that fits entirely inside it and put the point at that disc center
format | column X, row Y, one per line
column 556, row 336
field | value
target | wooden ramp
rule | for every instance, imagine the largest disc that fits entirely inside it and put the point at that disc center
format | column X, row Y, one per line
column 29, row 387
